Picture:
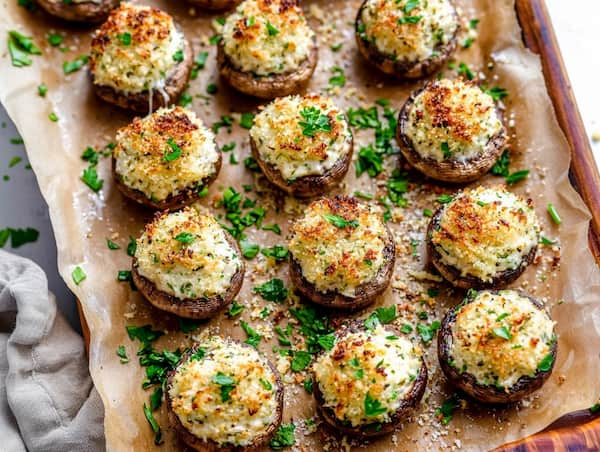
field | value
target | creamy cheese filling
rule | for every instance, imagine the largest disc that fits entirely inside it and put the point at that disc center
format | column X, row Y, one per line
column 485, row 231
column 225, row 393
column 136, row 49
column 301, row 136
column 367, row 375
column 452, row 119
column 408, row 31
column 186, row 254
column 499, row 338
column 165, row 153
column 267, row 37
column 338, row 244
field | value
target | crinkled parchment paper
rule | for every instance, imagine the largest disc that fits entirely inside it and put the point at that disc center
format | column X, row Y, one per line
column 83, row 220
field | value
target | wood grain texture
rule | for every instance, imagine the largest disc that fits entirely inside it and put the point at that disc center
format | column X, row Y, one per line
column 580, row 430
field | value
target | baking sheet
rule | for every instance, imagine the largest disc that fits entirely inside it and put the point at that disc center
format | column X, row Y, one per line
column 83, row 220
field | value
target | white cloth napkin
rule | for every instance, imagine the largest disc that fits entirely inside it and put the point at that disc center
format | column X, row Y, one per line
column 47, row 399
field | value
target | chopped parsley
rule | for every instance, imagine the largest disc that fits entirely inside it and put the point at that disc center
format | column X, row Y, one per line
column 397, row 185
column 226, row 383
column 265, row 384
column 272, row 227
column 300, row 361
column 14, row 161
column 410, row 5
column 18, row 237
column 249, row 250
column 406, row 328
column 121, row 353
column 55, row 40
column 225, row 121
column 112, row 245
column 444, row 413
column 547, row 242
column 363, row 195
column 496, row 92
column 185, row 237
column 446, row 150
column 308, row 385
column 90, row 178
column 340, row 222
column 278, row 252
column 500, row 168
column 73, row 66
column 517, row 176
column 373, row 407
column 409, row 20
column 339, row 78
column 273, row 290
column 554, row 214
column 246, row 120
column 283, row 437
column 253, row 336
column 53, row 117
column 188, row 325
column 124, row 275
column 369, row 161
column 20, row 47
column 174, row 153
column 78, row 275
column 336, row 47
column 235, row 309
column 473, row 24
column 251, row 164
column 178, row 56
column 125, row 38
column 271, row 29
column 427, row 332
column 546, row 363
column 313, row 325
column 199, row 64
column 131, row 247
column 444, row 199
column 502, row 332
column 153, row 424
column 211, row 88
column 464, row 70
column 42, row 90
column 313, row 122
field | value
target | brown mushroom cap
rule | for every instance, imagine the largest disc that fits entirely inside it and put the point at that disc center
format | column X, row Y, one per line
column 210, row 446
column 454, row 276
column 468, row 383
column 185, row 197
column 85, row 12
column 270, row 86
column 365, row 293
column 409, row 403
column 141, row 102
column 398, row 68
column 305, row 186
column 191, row 308
column 450, row 169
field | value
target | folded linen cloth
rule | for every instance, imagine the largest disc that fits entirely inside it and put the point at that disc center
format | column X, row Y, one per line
column 47, row 399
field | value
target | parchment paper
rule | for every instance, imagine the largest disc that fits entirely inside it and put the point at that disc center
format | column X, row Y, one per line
column 83, row 220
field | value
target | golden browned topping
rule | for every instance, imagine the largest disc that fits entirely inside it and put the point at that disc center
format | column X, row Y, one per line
column 135, row 49
column 484, row 231
column 164, row 153
column 339, row 244
column 452, row 119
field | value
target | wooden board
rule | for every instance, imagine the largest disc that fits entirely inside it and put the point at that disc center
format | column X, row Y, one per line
column 579, row 430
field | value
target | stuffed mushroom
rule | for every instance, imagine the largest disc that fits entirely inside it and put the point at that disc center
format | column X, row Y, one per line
column 215, row 5
column 483, row 238
column 165, row 160
column 224, row 395
column 369, row 381
column 407, row 39
column 341, row 253
column 139, row 59
column 267, row 49
column 186, row 264
column 84, row 11
column 450, row 130
column 302, row 144
column 497, row 346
